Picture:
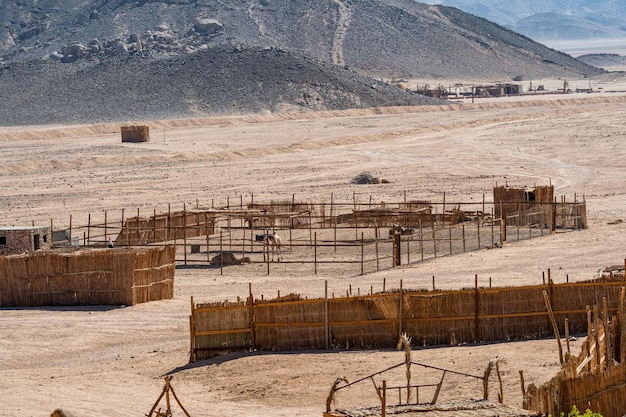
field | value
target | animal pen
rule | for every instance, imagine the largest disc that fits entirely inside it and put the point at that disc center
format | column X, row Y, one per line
column 357, row 236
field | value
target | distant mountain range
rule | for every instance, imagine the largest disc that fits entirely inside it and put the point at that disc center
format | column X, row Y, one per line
column 551, row 20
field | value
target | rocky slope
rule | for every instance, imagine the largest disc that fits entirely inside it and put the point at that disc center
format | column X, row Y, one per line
column 96, row 60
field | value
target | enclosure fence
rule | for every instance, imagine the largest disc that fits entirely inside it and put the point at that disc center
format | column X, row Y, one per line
column 360, row 237
column 376, row 320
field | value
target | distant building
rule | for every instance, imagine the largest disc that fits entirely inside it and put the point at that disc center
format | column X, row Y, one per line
column 21, row 239
column 498, row 90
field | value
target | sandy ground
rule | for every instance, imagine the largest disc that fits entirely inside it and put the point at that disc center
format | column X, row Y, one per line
column 104, row 361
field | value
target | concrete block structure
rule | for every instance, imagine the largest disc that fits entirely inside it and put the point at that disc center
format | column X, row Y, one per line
column 22, row 239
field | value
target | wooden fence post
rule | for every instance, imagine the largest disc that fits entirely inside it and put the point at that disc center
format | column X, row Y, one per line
column 554, row 325
column 185, row 232
column 362, row 254
column 221, row 253
column 476, row 310
column 106, row 230
column 192, row 333
column 400, row 309
column 315, row 254
column 251, row 317
column 326, row 324
column 88, row 229
column 377, row 260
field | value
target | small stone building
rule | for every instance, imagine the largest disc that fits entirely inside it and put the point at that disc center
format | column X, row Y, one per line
column 21, row 239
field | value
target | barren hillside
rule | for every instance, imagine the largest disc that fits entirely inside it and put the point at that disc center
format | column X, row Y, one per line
column 76, row 62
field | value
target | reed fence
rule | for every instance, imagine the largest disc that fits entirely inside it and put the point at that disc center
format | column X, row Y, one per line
column 118, row 276
column 376, row 320
column 595, row 379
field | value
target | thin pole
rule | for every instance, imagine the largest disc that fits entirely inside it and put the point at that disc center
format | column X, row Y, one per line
column 326, row 325
column 315, row 254
column 185, row 233
column 362, row 254
column 400, row 309
column 105, row 227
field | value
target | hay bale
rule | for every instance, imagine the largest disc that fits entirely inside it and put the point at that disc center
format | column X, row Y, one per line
column 135, row 134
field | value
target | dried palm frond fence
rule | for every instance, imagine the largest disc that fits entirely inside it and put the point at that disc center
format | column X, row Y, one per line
column 359, row 234
column 376, row 320
column 596, row 378
column 68, row 277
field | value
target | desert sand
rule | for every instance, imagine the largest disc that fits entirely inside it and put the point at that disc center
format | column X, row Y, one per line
column 111, row 361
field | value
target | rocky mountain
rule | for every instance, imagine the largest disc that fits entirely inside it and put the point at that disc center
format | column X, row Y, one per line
column 545, row 20
column 101, row 60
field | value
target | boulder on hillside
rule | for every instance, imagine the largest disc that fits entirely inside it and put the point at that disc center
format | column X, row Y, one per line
column 208, row 26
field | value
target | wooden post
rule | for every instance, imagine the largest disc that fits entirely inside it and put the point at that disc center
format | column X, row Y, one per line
column 122, row 225
column 383, row 405
column 476, row 310
column 377, row 260
column 450, row 237
column 569, row 352
column 88, row 229
column 192, row 333
column 137, row 229
column 168, row 232
column 221, row 252
column 326, row 324
column 128, row 232
column 335, row 231
column 553, row 218
column 206, row 230
column 607, row 334
column 501, row 393
column 251, row 309
column 154, row 227
column 400, row 309
column 70, row 230
column 105, row 228
column 622, row 324
column 362, row 255
column 421, row 241
column 185, row 235
column 554, row 326
column 521, row 379
column 502, row 223
column 396, row 249
column 315, row 254
column 434, row 236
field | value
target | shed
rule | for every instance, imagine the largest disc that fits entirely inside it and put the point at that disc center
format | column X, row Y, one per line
column 19, row 239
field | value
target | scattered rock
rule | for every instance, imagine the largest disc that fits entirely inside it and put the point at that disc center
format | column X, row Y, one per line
column 208, row 26
column 365, row 178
